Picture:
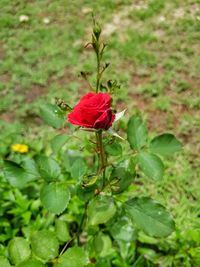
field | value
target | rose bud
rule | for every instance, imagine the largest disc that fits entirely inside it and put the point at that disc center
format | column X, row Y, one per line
column 97, row 30
column 93, row 111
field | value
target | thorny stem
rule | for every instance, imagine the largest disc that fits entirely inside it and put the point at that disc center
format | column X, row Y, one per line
column 102, row 155
column 99, row 141
column 98, row 72
column 102, row 152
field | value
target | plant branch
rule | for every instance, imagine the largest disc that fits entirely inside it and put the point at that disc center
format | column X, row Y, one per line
column 65, row 247
column 102, row 155
column 98, row 71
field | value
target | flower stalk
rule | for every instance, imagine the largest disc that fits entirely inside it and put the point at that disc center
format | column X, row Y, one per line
column 96, row 46
column 98, row 72
column 99, row 138
column 101, row 151
column 101, row 155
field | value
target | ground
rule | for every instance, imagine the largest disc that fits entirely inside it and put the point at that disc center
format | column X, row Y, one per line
column 153, row 49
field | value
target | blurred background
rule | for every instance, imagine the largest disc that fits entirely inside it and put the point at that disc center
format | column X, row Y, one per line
column 154, row 53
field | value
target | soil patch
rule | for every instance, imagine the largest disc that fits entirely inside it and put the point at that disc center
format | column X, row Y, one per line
column 35, row 92
column 4, row 78
column 8, row 116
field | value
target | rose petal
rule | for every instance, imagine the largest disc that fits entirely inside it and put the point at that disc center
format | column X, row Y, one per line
column 105, row 120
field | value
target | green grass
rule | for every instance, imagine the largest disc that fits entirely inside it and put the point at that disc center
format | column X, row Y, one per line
column 154, row 54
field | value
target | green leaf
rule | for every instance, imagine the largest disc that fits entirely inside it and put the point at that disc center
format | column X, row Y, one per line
column 73, row 257
column 30, row 166
column 125, row 248
column 165, row 145
column 120, row 179
column 123, row 230
column 151, row 165
column 114, row 149
column 16, row 175
column 55, row 197
column 44, row 245
column 86, row 190
column 85, row 193
column 19, row 250
column 4, row 262
column 78, row 169
column 140, row 261
column 100, row 210
column 195, row 254
column 102, row 245
column 48, row 168
column 150, row 216
column 58, row 142
column 102, row 262
column 62, row 231
column 137, row 133
column 53, row 115
column 31, row 263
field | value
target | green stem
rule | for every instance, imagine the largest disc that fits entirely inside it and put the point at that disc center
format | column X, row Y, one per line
column 65, row 247
column 99, row 141
column 101, row 154
column 98, row 72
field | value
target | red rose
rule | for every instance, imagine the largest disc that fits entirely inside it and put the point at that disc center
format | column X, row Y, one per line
column 93, row 111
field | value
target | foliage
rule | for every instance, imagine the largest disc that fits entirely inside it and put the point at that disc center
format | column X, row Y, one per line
column 98, row 191
column 55, row 187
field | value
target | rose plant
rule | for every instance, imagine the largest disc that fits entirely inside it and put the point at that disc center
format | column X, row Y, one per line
column 97, row 215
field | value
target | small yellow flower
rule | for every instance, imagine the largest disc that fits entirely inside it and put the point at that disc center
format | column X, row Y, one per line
column 20, row 148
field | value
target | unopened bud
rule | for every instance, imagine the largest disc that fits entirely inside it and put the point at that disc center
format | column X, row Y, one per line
column 97, row 30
